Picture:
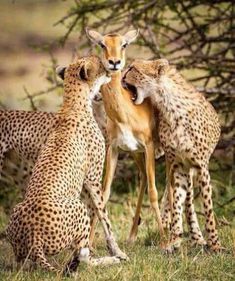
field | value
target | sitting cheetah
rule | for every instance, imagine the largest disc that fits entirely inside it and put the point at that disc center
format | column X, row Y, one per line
column 189, row 131
column 52, row 216
column 26, row 132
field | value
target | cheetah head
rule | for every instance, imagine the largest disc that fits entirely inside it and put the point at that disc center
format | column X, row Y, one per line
column 88, row 71
column 143, row 77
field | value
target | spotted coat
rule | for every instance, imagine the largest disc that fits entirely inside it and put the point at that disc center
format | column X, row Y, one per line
column 52, row 217
column 189, row 130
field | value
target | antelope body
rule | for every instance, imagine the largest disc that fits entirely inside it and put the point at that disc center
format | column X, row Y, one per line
column 129, row 127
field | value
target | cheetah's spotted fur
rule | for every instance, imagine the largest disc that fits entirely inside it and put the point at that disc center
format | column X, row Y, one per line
column 26, row 132
column 189, row 131
column 52, row 217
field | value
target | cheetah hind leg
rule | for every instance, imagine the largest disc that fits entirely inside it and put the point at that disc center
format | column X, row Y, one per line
column 180, row 179
column 196, row 236
column 38, row 256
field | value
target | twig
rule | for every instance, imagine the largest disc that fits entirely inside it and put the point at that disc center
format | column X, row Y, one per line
column 30, row 98
column 45, row 91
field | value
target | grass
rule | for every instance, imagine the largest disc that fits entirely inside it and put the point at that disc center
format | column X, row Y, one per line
column 147, row 262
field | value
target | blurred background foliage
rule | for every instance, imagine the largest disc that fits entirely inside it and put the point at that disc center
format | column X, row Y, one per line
column 197, row 36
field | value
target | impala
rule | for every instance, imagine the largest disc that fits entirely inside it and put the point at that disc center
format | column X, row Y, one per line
column 129, row 127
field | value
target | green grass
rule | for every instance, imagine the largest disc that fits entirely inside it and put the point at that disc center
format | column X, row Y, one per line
column 147, row 262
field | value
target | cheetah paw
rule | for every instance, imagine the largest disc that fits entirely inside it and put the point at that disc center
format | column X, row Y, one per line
column 116, row 260
column 121, row 255
column 171, row 247
column 215, row 248
column 198, row 243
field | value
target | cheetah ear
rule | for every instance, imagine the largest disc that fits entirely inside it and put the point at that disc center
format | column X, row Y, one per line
column 161, row 66
column 131, row 35
column 60, row 70
column 94, row 36
column 85, row 72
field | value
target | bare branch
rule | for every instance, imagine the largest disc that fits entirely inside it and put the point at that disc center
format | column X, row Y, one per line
column 30, row 98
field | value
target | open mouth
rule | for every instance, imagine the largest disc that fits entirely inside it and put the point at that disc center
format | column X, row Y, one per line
column 132, row 89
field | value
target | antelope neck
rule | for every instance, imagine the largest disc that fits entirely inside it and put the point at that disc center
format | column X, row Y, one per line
column 114, row 100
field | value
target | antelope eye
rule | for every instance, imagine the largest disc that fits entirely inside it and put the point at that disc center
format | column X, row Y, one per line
column 124, row 46
column 102, row 45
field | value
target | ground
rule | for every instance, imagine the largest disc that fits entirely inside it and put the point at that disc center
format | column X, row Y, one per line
column 146, row 263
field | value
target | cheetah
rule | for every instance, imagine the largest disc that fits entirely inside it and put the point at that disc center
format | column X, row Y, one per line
column 25, row 132
column 189, row 130
column 52, row 216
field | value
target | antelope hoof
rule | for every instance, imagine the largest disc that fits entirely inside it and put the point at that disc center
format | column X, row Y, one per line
column 131, row 239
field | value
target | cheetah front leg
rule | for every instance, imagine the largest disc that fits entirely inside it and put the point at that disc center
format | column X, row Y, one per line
column 166, row 203
column 82, row 254
column 86, row 199
column 165, row 210
column 94, row 189
column 111, row 163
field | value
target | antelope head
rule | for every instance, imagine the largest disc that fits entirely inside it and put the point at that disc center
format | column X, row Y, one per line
column 113, row 47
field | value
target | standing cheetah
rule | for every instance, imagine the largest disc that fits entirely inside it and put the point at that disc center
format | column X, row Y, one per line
column 189, row 131
column 52, row 216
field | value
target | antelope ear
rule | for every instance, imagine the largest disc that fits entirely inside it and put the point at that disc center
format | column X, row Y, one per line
column 86, row 71
column 94, row 36
column 161, row 65
column 131, row 35
column 60, row 70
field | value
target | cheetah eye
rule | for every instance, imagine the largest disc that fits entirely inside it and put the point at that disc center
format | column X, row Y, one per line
column 102, row 45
